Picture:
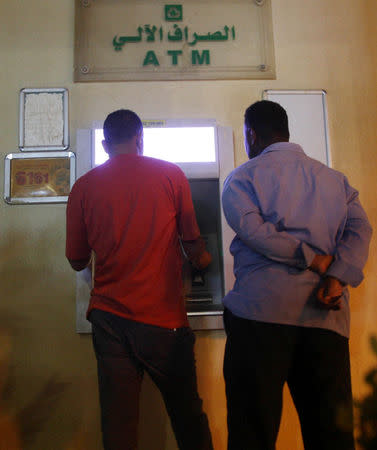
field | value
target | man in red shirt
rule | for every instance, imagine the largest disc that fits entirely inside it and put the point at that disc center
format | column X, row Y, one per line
column 134, row 213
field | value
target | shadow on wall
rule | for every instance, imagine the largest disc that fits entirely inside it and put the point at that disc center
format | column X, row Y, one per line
column 32, row 391
column 20, row 427
column 21, row 281
column 48, row 393
column 367, row 408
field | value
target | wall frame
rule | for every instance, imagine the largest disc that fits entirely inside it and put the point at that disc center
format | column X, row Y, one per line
column 43, row 120
column 307, row 119
column 44, row 177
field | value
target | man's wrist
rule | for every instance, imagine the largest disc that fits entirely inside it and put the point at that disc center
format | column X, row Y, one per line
column 321, row 263
column 308, row 255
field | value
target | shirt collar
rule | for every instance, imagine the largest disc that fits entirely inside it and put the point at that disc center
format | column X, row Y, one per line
column 278, row 146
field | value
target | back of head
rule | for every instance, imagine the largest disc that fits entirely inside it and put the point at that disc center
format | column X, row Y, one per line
column 121, row 126
column 269, row 120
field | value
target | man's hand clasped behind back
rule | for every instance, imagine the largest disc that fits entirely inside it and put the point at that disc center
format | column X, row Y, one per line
column 330, row 289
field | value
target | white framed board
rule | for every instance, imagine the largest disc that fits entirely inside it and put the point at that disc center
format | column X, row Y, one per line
column 307, row 120
column 43, row 120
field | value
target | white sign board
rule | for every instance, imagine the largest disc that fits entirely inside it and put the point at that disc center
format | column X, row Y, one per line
column 307, row 119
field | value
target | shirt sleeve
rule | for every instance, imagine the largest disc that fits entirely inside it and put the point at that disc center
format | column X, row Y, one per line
column 242, row 213
column 353, row 246
column 186, row 219
column 77, row 247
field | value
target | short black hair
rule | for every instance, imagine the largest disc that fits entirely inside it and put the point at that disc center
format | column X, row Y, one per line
column 121, row 125
column 268, row 120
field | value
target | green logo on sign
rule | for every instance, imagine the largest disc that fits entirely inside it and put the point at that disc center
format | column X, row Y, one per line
column 173, row 13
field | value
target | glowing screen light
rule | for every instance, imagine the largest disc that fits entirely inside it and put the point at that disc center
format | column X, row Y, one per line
column 175, row 144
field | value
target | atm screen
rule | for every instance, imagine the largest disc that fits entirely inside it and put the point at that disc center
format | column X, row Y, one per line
column 174, row 144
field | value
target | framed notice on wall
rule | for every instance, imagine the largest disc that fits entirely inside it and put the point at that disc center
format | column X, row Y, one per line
column 43, row 119
column 186, row 40
column 307, row 119
column 38, row 177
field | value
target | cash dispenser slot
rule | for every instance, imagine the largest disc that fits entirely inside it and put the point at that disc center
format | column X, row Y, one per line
column 204, row 289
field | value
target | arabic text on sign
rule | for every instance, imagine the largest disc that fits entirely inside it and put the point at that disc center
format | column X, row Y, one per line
column 176, row 35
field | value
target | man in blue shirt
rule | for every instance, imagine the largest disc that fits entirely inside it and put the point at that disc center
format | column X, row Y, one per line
column 301, row 237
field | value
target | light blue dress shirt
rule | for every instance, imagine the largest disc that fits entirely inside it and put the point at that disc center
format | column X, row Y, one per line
column 284, row 208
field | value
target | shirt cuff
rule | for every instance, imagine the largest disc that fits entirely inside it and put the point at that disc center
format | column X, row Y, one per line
column 345, row 273
column 308, row 255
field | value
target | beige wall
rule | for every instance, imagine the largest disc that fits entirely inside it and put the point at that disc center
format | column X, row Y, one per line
column 47, row 372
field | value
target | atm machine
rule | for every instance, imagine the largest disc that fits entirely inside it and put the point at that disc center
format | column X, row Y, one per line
column 204, row 151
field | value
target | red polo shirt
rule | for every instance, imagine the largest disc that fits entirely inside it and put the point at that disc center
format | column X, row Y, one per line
column 131, row 211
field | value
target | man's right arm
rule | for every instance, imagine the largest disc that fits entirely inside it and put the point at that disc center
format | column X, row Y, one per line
column 78, row 251
column 242, row 213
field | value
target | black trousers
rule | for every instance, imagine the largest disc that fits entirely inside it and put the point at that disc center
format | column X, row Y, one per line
column 124, row 350
column 260, row 357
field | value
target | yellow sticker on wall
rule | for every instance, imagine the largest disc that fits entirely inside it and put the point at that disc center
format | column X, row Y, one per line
column 40, row 177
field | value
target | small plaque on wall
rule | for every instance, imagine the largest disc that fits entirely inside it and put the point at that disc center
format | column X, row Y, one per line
column 189, row 40
column 43, row 119
column 38, row 177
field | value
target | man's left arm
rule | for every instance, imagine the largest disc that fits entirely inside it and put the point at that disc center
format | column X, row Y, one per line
column 351, row 254
column 192, row 243
column 353, row 246
column 78, row 251
column 242, row 212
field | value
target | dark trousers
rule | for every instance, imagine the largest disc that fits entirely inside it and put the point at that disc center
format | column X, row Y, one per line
column 124, row 350
column 260, row 357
